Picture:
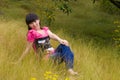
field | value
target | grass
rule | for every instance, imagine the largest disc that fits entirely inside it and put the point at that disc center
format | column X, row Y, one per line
column 88, row 20
column 92, row 63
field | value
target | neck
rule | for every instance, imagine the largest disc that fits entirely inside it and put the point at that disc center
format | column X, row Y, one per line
column 38, row 28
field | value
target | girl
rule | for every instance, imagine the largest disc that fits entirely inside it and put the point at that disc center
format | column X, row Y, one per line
column 39, row 37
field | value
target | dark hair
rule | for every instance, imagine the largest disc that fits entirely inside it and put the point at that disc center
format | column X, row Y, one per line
column 31, row 17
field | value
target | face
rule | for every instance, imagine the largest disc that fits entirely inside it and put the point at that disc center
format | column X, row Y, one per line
column 35, row 24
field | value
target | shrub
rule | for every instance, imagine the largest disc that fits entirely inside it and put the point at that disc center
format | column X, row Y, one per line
column 107, row 6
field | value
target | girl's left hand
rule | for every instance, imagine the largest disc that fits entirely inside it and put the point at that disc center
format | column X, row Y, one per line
column 65, row 42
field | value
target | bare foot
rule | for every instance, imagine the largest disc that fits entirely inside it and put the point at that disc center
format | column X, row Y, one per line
column 71, row 71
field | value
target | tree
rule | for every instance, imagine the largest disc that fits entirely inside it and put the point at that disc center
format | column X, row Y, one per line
column 62, row 5
column 109, row 6
column 116, row 3
column 48, row 8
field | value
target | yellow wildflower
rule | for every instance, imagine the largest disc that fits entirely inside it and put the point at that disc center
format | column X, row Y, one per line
column 116, row 30
column 33, row 78
column 54, row 78
column 67, row 78
column 116, row 22
column 48, row 72
column 55, row 75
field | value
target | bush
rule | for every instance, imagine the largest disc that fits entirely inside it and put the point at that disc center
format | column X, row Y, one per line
column 107, row 6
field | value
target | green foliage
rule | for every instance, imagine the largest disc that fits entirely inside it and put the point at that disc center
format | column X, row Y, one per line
column 64, row 6
column 90, row 21
column 116, row 36
column 49, row 16
column 45, row 8
column 107, row 6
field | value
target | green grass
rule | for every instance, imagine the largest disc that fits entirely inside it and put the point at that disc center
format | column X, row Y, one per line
column 92, row 62
column 87, row 19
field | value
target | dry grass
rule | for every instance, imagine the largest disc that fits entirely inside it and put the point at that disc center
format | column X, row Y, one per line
column 92, row 63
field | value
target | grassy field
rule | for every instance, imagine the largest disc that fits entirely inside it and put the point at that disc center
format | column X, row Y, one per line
column 86, row 19
column 92, row 62
column 90, row 21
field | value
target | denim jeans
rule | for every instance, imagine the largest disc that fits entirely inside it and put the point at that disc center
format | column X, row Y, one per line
column 64, row 54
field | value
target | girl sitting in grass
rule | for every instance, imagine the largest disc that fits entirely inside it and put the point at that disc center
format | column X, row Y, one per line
column 39, row 37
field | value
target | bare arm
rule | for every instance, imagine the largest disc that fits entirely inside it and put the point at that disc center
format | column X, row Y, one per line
column 55, row 37
column 28, row 46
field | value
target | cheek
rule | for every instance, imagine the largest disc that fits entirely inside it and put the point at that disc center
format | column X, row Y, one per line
column 31, row 25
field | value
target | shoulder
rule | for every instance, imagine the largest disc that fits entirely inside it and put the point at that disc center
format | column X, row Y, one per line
column 31, row 32
column 45, row 28
column 31, row 35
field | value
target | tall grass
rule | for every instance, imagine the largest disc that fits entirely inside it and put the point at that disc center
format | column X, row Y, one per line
column 92, row 63
column 88, row 19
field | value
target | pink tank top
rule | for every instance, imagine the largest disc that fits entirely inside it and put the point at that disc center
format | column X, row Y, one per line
column 33, row 34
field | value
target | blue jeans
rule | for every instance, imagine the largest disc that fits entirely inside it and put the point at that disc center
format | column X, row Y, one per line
column 64, row 54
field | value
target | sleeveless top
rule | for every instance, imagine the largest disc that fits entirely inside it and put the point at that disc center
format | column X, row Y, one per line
column 39, row 40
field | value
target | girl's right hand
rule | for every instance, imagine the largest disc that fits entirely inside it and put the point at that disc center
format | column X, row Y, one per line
column 64, row 42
